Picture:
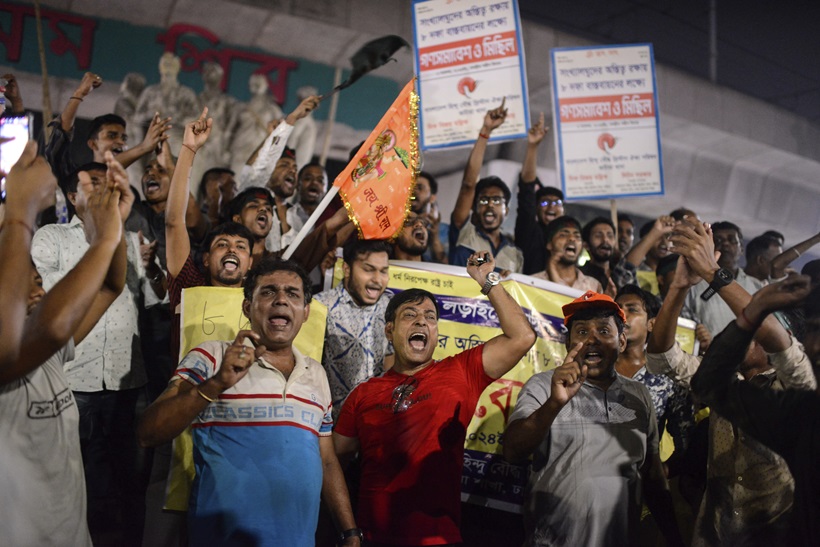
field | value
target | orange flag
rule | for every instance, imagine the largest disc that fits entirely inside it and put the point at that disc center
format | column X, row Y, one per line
column 377, row 185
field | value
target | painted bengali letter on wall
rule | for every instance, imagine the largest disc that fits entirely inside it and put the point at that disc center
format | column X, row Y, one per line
column 469, row 57
column 606, row 121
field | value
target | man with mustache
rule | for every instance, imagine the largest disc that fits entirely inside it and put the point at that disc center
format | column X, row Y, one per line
column 253, row 209
column 409, row 424
column 594, row 437
column 564, row 245
column 260, row 414
column 413, row 240
column 599, row 240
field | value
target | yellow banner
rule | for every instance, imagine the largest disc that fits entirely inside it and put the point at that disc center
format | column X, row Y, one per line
column 215, row 313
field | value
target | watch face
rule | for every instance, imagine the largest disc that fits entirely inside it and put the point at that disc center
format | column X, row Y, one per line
column 725, row 275
column 493, row 277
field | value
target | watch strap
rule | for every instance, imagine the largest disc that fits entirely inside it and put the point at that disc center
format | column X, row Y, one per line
column 351, row 533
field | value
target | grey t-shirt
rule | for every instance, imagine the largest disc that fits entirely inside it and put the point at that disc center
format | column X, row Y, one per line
column 585, row 484
column 41, row 467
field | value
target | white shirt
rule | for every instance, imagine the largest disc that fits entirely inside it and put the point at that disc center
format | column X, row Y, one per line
column 110, row 356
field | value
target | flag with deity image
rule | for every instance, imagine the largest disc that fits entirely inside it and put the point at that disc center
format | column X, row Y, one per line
column 377, row 185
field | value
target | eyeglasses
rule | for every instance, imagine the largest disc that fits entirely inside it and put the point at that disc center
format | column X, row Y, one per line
column 550, row 203
column 495, row 200
column 401, row 394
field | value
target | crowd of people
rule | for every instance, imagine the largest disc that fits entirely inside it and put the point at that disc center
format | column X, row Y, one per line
column 366, row 446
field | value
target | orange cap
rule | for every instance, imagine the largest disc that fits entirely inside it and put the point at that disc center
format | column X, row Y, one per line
column 591, row 299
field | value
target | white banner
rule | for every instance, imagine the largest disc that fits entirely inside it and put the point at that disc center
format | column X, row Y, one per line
column 606, row 122
column 469, row 57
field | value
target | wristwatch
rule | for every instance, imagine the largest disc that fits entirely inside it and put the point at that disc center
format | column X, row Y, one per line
column 493, row 278
column 722, row 278
column 357, row 532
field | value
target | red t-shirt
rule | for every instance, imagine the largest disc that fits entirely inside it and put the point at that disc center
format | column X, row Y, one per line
column 412, row 459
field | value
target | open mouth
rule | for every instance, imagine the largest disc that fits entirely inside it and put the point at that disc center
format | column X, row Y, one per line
column 592, row 358
column 279, row 322
column 262, row 220
column 418, row 341
column 373, row 291
column 420, row 235
column 571, row 248
column 230, row 263
column 116, row 150
column 151, row 186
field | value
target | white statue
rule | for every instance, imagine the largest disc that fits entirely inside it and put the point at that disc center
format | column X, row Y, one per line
column 249, row 128
column 169, row 98
column 130, row 90
column 303, row 138
column 221, row 107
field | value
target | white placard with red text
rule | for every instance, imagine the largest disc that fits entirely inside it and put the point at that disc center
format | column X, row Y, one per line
column 606, row 121
column 469, row 56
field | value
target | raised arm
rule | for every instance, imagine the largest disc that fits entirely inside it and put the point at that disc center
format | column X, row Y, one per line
column 177, row 241
column 13, row 94
column 30, row 187
column 69, row 114
column 262, row 162
column 781, row 261
column 71, row 307
column 529, row 168
column 182, row 401
column 464, row 202
column 502, row 353
column 662, row 227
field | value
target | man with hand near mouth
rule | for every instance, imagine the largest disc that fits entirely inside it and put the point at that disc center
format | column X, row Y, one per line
column 594, row 437
column 356, row 347
column 481, row 207
column 599, row 240
column 410, row 423
column 413, row 239
column 564, row 245
column 260, row 416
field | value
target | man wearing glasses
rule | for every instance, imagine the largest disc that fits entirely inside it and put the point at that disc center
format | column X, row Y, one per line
column 409, row 424
column 481, row 208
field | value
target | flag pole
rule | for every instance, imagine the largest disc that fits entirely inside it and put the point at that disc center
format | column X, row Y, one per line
column 311, row 222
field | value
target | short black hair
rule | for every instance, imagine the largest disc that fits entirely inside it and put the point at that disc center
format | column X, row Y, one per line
column 414, row 296
column 651, row 303
column 213, row 172
column 249, row 194
column 99, row 121
column 595, row 313
column 489, row 182
column 310, row 164
column 623, row 217
column 364, row 247
column 776, row 235
column 548, row 191
column 230, row 229
column 592, row 224
column 680, row 212
column 433, row 181
column 271, row 264
column 667, row 264
column 726, row 225
column 73, row 179
column 759, row 245
column 559, row 223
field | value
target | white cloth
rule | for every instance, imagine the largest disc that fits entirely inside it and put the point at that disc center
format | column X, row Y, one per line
column 41, row 466
column 260, row 171
column 110, row 356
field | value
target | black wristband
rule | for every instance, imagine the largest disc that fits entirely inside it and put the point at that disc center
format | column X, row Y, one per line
column 350, row 533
